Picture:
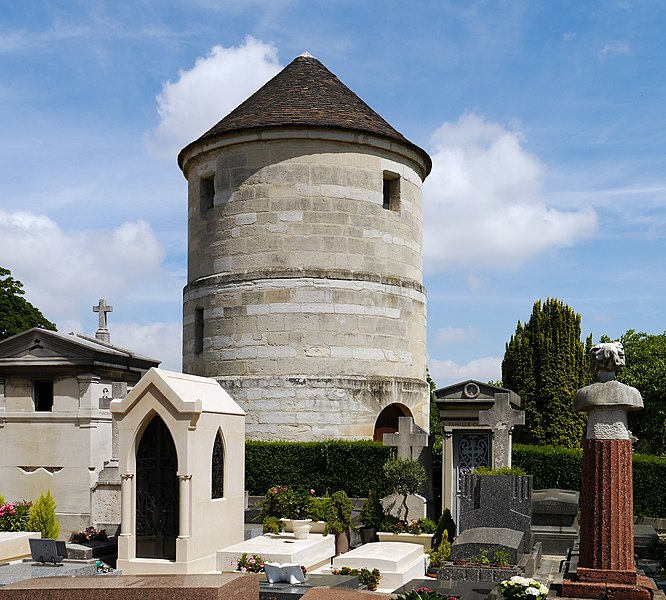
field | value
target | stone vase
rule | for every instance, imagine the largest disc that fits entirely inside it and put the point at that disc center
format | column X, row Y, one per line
column 301, row 528
column 341, row 542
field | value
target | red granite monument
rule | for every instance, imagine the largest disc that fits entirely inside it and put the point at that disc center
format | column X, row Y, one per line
column 606, row 566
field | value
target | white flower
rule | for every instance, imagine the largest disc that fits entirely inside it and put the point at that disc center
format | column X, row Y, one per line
column 532, row 591
column 521, row 580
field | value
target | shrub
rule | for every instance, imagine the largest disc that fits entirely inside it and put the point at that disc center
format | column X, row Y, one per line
column 272, row 525
column 554, row 467
column 445, row 526
column 338, row 513
column 355, row 467
column 365, row 576
column 250, row 564
column 500, row 471
column 372, row 513
column 43, row 516
column 14, row 515
column 441, row 552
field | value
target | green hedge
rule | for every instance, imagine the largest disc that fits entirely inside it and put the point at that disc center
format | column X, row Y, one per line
column 355, row 467
column 554, row 467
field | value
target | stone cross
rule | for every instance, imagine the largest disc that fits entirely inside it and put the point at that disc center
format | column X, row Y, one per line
column 409, row 437
column 102, row 332
column 502, row 418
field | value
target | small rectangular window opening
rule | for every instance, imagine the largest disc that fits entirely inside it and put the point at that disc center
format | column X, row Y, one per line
column 391, row 191
column 43, row 391
column 198, row 330
column 207, row 192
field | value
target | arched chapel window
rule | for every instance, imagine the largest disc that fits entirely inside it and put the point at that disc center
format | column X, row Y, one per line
column 217, row 478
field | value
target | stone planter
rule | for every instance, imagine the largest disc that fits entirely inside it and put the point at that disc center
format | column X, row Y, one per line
column 315, row 526
column 425, row 539
column 301, row 528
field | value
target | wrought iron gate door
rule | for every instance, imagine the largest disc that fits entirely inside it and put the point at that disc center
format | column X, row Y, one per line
column 470, row 450
column 156, row 493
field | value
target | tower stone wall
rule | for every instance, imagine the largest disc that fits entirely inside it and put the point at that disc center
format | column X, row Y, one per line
column 305, row 296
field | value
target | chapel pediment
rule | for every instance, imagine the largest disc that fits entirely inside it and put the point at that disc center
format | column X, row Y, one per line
column 40, row 347
column 473, row 391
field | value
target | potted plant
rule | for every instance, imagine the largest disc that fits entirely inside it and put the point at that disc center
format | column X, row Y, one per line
column 522, row 588
column 500, row 559
column 338, row 520
column 481, row 559
column 372, row 516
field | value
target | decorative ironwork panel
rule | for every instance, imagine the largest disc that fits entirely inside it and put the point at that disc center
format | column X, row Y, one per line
column 473, row 451
column 157, row 494
column 217, row 476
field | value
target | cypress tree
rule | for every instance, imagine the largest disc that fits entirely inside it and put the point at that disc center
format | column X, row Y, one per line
column 43, row 516
column 545, row 362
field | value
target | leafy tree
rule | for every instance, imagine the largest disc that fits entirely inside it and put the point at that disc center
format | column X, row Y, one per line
column 16, row 313
column 43, row 516
column 545, row 362
column 646, row 370
column 405, row 477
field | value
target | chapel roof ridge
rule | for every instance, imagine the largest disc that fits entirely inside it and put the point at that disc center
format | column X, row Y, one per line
column 305, row 94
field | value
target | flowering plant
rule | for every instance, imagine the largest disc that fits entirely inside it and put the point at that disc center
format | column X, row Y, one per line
column 522, row 588
column 424, row 593
column 89, row 534
column 14, row 515
column 250, row 564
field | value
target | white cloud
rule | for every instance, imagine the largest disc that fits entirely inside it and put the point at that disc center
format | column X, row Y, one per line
column 202, row 96
column 455, row 334
column 483, row 200
column 64, row 273
column 614, row 49
column 162, row 341
column 446, row 372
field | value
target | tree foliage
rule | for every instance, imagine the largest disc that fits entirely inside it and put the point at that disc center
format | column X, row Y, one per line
column 545, row 362
column 43, row 516
column 16, row 313
column 646, row 371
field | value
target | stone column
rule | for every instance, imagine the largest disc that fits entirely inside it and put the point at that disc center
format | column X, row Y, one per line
column 606, row 563
column 126, row 502
column 185, row 482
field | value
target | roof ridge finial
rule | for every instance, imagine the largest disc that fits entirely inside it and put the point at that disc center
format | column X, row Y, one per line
column 306, row 54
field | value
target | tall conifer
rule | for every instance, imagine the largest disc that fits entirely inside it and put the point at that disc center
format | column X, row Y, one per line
column 545, row 362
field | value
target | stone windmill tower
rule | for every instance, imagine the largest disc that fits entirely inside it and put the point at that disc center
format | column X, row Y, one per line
column 305, row 297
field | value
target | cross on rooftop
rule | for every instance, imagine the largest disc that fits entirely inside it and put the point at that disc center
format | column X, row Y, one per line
column 408, row 437
column 102, row 332
column 502, row 418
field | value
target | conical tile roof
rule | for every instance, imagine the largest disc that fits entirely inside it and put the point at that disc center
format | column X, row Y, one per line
column 305, row 94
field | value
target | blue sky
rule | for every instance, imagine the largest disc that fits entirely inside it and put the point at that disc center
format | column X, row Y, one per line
column 545, row 121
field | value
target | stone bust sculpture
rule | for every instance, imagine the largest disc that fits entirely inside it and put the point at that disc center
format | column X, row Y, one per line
column 607, row 401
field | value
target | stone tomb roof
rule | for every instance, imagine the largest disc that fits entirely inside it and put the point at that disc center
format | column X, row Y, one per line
column 305, row 94
column 473, row 392
column 188, row 394
column 44, row 349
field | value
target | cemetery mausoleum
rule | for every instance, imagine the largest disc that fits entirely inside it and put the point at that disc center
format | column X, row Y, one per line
column 304, row 293
column 55, row 422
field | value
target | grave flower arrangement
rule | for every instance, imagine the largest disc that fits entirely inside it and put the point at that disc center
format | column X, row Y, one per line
column 89, row 534
column 424, row 593
column 14, row 515
column 415, row 527
column 250, row 564
column 522, row 588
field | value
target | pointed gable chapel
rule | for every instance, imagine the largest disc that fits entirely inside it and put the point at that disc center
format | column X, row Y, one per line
column 305, row 295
